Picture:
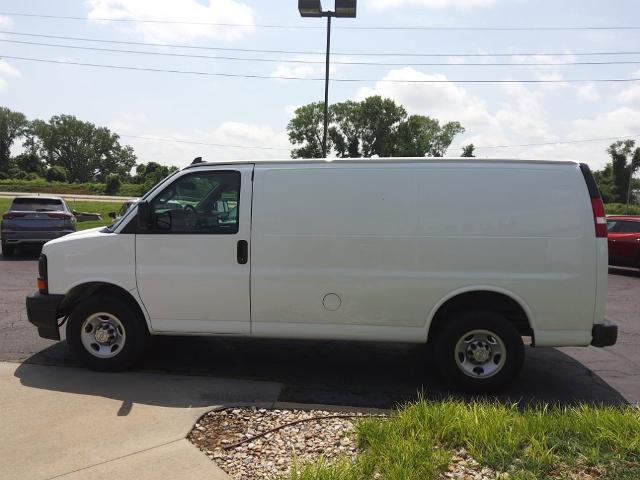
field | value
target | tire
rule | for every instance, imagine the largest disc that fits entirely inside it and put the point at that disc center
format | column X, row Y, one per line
column 479, row 351
column 105, row 333
column 8, row 250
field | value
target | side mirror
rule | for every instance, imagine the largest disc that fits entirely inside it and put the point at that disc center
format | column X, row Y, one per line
column 144, row 215
column 75, row 213
column 112, row 215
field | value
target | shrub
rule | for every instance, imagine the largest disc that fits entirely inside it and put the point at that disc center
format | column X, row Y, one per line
column 112, row 184
column 56, row 174
column 621, row 209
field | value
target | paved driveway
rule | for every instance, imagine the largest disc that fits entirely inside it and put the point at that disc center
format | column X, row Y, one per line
column 348, row 373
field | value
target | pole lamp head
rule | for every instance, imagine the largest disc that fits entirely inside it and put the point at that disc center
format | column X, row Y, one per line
column 346, row 8
column 310, row 8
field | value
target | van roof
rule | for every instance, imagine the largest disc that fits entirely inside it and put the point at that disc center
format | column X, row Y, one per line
column 316, row 161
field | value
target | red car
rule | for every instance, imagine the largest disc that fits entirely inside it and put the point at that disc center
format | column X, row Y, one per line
column 624, row 240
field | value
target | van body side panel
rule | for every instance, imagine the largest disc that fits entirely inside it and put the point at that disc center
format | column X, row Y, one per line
column 366, row 251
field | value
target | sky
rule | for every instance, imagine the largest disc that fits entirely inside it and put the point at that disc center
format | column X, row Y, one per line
column 249, row 115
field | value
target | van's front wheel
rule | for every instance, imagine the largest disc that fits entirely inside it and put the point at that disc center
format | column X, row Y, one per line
column 479, row 351
column 105, row 333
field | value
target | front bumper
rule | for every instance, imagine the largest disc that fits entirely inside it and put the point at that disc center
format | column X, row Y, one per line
column 604, row 334
column 43, row 312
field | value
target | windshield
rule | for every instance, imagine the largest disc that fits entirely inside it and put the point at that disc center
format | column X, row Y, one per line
column 118, row 221
column 154, row 188
column 37, row 205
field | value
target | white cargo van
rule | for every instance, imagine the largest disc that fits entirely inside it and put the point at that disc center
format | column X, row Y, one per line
column 466, row 256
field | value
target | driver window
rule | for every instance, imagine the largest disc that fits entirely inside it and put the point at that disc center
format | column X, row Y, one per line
column 202, row 202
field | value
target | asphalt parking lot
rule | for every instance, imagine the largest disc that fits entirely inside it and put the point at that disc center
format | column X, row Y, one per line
column 349, row 373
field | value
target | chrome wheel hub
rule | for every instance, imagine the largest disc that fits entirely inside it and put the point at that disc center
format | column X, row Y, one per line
column 103, row 335
column 480, row 354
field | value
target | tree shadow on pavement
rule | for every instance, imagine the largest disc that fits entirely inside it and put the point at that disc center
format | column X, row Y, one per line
column 326, row 372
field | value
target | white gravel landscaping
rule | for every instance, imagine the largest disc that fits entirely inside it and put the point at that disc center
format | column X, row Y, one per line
column 237, row 440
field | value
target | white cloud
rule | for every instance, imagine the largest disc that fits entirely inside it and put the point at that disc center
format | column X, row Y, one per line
column 433, row 4
column 445, row 101
column 545, row 60
column 298, row 71
column 631, row 94
column 7, row 70
column 176, row 148
column 618, row 122
column 519, row 119
column 556, row 80
column 5, row 23
column 212, row 11
column 544, row 67
column 588, row 92
column 130, row 123
column 250, row 135
column 306, row 70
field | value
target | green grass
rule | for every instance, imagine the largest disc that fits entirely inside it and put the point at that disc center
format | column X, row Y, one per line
column 43, row 186
column 535, row 443
column 103, row 208
column 621, row 209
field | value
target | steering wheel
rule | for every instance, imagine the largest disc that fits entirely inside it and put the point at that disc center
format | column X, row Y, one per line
column 191, row 218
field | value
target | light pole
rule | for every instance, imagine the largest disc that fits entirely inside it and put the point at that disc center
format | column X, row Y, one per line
column 343, row 9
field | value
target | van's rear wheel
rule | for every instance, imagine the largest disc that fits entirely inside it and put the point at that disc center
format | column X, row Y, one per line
column 106, row 333
column 479, row 351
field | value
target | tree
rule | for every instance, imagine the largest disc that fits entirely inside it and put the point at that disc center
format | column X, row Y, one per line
column 625, row 161
column 345, row 133
column 306, row 129
column 379, row 120
column 56, row 174
column 85, row 151
column 374, row 126
column 12, row 126
column 152, row 172
column 421, row 136
column 469, row 150
column 605, row 183
column 112, row 184
column 29, row 162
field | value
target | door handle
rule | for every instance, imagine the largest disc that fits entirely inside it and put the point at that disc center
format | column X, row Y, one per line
column 242, row 251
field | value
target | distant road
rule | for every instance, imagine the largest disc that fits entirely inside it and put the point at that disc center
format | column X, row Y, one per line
column 71, row 196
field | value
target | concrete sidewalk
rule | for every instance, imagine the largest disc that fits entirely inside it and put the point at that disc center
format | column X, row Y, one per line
column 58, row 422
